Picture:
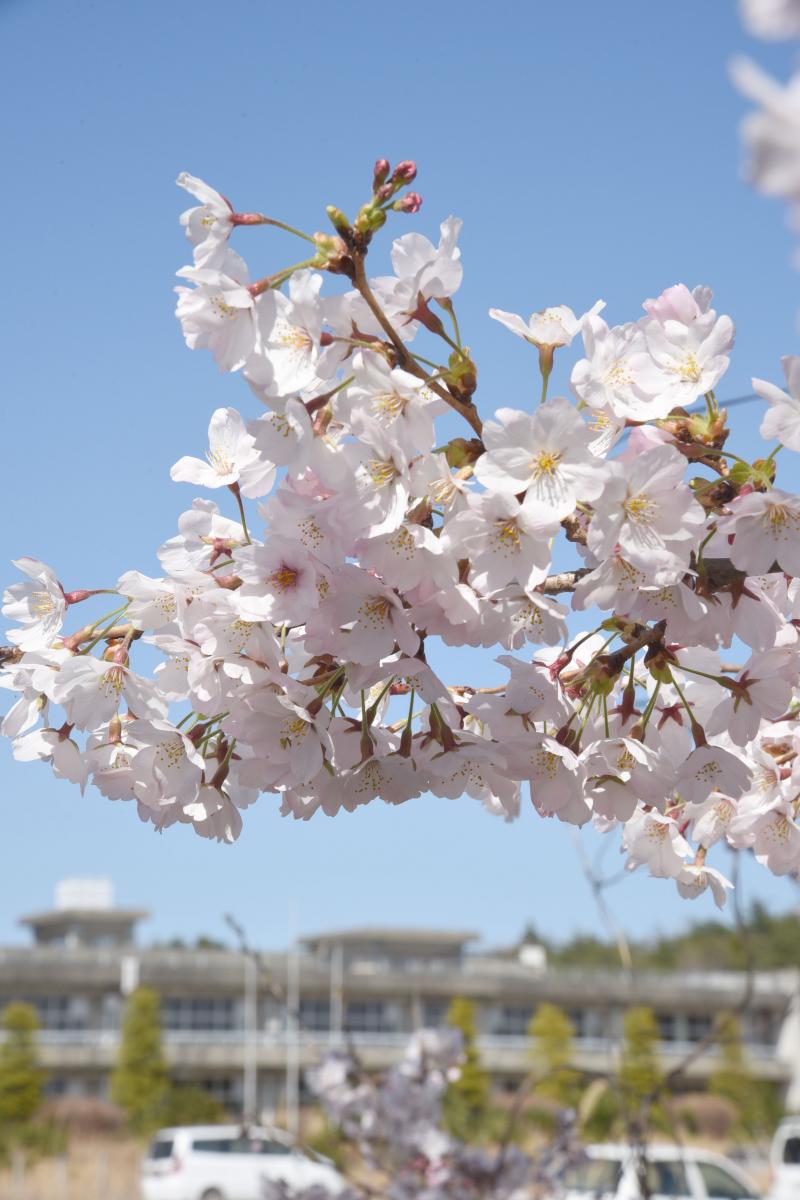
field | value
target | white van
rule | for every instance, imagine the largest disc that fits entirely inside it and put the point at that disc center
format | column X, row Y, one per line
column 674, row 1173
column 784, row 1161
column 228, row 1162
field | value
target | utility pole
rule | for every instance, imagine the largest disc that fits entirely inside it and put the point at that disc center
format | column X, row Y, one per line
column 249, row 1024
column 293, row 1028
column 336, row 994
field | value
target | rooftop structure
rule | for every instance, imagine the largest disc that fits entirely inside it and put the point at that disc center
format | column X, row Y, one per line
column 84, row 915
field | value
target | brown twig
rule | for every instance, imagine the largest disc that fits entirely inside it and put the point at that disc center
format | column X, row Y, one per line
column 405, row 358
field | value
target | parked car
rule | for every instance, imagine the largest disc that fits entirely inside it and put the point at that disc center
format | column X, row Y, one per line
column 673, row 1171
column 227, row 1162
column 784, row 1161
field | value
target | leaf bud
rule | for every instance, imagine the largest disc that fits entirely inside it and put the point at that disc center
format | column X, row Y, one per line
column 332, row 254
column 370, row 219
column 462, row 452
column 338, row 220
column 462, row 377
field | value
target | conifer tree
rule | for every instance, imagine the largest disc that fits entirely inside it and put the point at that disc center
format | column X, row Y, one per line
column 732, row 1079
column 639, row 1073
column 21, row 1079
column 552, row 1053
column 467, row 1099
column 139, row 1082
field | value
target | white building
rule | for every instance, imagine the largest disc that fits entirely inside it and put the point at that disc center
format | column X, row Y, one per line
column 371, row 985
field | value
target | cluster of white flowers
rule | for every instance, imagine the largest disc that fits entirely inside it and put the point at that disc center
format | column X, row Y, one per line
column 294, row 656
column 395, row 1121
column 772, row 133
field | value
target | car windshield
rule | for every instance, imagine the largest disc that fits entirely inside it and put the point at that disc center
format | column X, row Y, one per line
column 791, row 1151
column 161, row 1148
column 596, row 1175
column 722, row 1186
column 667, row 1178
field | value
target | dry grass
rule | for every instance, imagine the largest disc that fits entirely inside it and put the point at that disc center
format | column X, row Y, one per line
column 93, row 1169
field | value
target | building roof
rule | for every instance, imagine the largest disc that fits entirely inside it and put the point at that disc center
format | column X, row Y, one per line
column 87, row 916
column 394, row 935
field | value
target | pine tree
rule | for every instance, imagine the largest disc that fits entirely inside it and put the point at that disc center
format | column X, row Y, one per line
column 467, row 1100
column 20, row 1078
column 553, row 1036
column 639, row 1074
column 731, row 1079
column 139, row 1082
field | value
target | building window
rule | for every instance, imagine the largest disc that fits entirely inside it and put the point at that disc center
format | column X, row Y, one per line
column 56, row 1085
column 514, row 1020
column 314, row 1013
column 578, row 1019
column 698, row 1027
column 666, row 1027
column 223, row 1089
column 368, row 1016
column 61, row 1012
column 198, row 1013
column 762, row 1027
column 434, row 1013
column 595, row 1023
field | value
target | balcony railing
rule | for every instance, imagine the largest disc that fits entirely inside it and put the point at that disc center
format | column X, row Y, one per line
column 389, row 1041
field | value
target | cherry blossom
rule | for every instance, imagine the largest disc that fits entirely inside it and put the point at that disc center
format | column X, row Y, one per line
column 763, row 528
column 612, row 376
column 645, row 575
column 218, row 313
column 694, row 878
column 40, row 606
column 209, row 225
column 232, row 458
column 771, row 18
column 287, row 352
column 503, row 539
column 782, row 419
column 688, row 346
column 549, row 327
column 647, row 514
column 545, row 455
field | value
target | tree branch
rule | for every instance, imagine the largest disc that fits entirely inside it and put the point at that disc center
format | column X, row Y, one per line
column 407, row 360
column 717, row 573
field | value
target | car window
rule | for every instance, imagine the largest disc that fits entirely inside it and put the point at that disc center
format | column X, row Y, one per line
column 667, row 1179
column 265, row 1146
column 791, row 1151
column 161, row 1148
column 722, row 1186
column 213, row 1145
column 596, row 1175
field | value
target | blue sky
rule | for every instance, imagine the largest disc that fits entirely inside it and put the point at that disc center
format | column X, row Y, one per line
column 592, row 152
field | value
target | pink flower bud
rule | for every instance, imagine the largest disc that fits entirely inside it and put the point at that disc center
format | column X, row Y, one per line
column 78, row 595
column 250, row 218
column 81, row 594
column 380, row 173
column 410, row 203
column 404, row 172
